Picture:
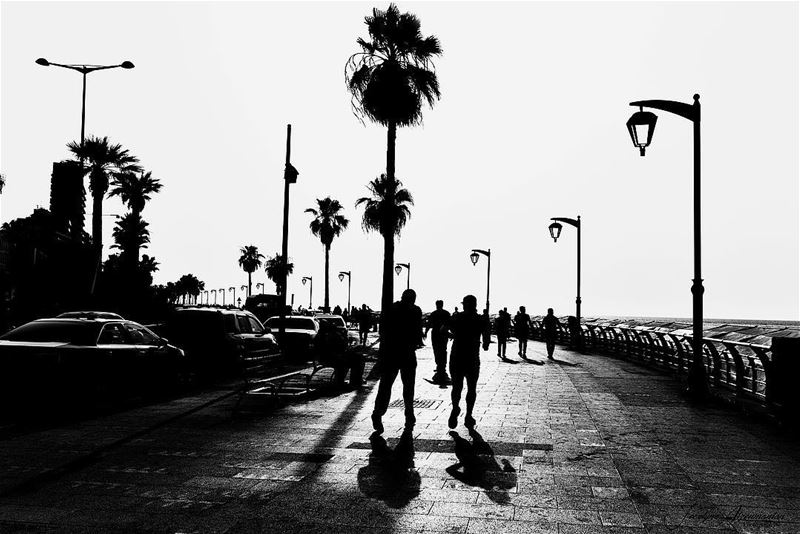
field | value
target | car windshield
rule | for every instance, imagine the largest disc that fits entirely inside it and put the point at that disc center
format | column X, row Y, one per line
column 74, row 332
column 299, row 323
column 336, row 322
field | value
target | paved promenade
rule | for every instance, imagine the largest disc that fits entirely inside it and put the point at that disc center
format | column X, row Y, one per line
column 586, row 444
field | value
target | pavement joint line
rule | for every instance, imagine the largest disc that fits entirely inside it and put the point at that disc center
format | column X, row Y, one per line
column 91, row 457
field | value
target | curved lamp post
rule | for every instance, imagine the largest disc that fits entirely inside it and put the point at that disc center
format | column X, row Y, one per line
column 476, row 252
column 261, row 285
column 399, row 268
column 555, row 232
column 310, row 288
column 221, row 291
column 244, row 290
column 641, row 126
column 206, row 295
column 214, row 291
column 234, row 293
column 342, row 274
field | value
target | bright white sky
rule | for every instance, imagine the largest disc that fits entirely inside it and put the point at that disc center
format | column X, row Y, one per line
column 531, row 125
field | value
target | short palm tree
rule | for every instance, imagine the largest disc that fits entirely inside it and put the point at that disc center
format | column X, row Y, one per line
column 249, row 261
column 274, row 268
column 389, row 78
column 130, row 236
column 135, row 190
column 386, row 211
column 189, row 284
column 104, row 161
column 327, row 224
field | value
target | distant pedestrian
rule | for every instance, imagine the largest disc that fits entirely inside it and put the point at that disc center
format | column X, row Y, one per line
column 522, row 324
column 467, row 328
column 502, row 324
column 455, row 312
column 437, row 323
column 550, row 324
column 364, row 324
column 337, row 310
column 401, row 329
column 331, row 349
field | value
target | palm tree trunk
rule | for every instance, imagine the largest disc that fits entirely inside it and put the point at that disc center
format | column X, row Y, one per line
column 97, row 221
column 249, row 283
column 387, row 295
column 135, row 258
column 327, row 307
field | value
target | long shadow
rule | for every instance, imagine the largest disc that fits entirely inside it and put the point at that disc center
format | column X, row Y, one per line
column 477, row 466
column 389, row 476
column 534, row 362
column 564, row 362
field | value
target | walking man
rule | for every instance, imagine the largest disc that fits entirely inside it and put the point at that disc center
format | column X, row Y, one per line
column 402, row 324
column 522, row 323
column 364, row 324
column 437, row 322
column 550, row 324
column 466, row 329
column 501, row 325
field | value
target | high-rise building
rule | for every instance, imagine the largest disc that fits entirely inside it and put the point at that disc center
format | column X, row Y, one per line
column 68, row 197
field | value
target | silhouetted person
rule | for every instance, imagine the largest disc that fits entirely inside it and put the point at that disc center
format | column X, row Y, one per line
column 455, row 312
column 331, row 347
column 550, row 324
column 477, row 466
column 402, row 328
column 522, row 324
column 574, row 332
column 466, row 329
column 437, row 325
column 364, row 324
column 502, row 324
column 337, row 310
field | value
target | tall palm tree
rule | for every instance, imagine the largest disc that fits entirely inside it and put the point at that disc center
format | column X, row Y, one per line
column 386, row 211
column 388, row 79
column 327, row 224
column 105, row 160
column 135, row 190
column 249, row 261
column 274, row 268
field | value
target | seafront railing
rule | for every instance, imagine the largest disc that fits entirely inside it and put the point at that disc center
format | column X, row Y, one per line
column 738, row 358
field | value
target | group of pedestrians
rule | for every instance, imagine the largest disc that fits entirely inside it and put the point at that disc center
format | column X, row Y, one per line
column 402, row 327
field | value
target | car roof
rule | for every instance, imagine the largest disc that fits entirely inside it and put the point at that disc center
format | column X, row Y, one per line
column 293, row 317
column 81, row 320
column 328, row 316
column 211, row 309
column 89, row 314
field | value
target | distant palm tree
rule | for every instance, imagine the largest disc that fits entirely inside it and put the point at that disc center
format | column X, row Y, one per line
column 249, row 261
column 274, row 268
column 389, row 79
column 386, row 211
column 148, row 266
column 135, row 190
column 130, row 235
column 104, row 160
column 188, row 284
column 327, row 224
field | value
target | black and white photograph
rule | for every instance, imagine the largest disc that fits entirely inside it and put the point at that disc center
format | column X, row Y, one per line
column 446, row 266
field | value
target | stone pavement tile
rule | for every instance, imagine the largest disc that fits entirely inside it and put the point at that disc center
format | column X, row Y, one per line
column 502, row 526
column 606, row 492
column 597, row 504
column 449, row 495
column 486, row 511
column 648, row 495
column 765, row 527
column 521, row 499
column 749, row 500
column 31, row 514
column 673, row 529
column 553, row 515
column 754, row 513
column 428, row 523
column 564, row 528
column 620, row 519
column 698, row 515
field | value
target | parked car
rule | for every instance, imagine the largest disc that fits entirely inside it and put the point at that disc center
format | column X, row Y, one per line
column 89, row 315
column 69, row 359
column 338, row 323
column 300, row 332
column 215, row 338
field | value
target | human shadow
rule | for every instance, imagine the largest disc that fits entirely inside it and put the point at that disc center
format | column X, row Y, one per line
column 389, row 476
column 507, row 360
column 533, row 362
column 564, row 362
column 477, row 466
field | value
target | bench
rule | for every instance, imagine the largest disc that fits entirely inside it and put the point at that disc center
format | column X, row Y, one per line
column 258, row 375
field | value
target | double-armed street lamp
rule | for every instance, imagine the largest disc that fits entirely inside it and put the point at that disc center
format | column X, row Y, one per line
column 399, row 268
column 641, row 126
column 310, row 288
column 261, row 285
column 342, row 274
column 555, row 232
column 476, row 252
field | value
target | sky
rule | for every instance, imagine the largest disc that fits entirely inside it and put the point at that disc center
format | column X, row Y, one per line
column 530, row 125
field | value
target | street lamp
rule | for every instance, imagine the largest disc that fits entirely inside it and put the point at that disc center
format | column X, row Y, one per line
column 474, row 259
column 399, row 268
column 206, row 295
column 222, row 292
column 641, row 126
column 214, row 291
column 555, row 232
column 234, row 293
column 261, row 285
column 310, row 288
column 84, row 69
column 289, row 177
column 342, row 274
column 239, row 301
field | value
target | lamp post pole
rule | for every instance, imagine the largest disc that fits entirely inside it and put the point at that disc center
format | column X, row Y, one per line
column 698, row 385
column 289, row 177
column 555, row 232
column 474, row 258
column 310, row 289
column 222, row 291
column 233, row 300
column 342, row 274
column 399, row 268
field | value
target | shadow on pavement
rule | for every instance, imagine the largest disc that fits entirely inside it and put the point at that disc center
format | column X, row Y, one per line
column 389, row 476
column 564, row 362
column 477, row 466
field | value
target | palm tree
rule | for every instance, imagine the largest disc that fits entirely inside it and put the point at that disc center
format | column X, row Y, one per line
column 188, row 284
column 386, row 211
column 148, row 266
column 135, row 190
column 327, row 224
column 249, row 261
column 105, row 160
column 388, row 80
column 131, row 235
column 274, row 268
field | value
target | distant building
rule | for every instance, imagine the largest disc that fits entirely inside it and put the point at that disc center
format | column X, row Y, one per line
column 68, row 198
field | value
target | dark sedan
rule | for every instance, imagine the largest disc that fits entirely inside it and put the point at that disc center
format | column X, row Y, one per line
column 298, row 336
column 73, row 359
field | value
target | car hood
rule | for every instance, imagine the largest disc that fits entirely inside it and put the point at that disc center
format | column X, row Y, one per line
column 33, row 344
